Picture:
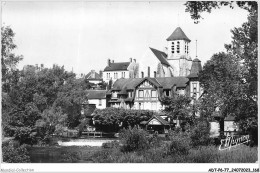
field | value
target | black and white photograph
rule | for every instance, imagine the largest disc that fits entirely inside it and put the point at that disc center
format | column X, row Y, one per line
column 85, row 83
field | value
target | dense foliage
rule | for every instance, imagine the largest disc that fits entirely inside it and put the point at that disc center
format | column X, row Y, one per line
column 37, row 101
column 13, row 154
column 134, row 140
column 195, row 8
column 230, row 79
column 112, row 119
column 180, row 107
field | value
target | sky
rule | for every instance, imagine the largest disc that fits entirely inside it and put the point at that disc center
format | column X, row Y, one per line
column 82, row 35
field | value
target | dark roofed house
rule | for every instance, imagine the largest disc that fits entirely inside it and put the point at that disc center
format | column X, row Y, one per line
column 145, row 93
column 97, row 97
column 157, row 123
column 94, row 77
column 119, row 66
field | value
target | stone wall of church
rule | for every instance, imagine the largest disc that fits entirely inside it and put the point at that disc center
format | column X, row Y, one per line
column 175, row 64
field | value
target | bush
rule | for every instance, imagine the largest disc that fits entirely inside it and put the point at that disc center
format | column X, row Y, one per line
column 154, row 141
column 70, row 157
column 200, row 135
column 180, row 144
column 203, row 154
column 112, row 144
column 134, row 140
column 107, row 156
column 13, row 154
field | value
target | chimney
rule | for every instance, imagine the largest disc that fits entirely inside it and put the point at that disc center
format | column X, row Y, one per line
column 148, row 73
column 135, row 60
column 142, row 74
column 92, row 73
column 154, row 74
column 130, row 59
column 42, row 66
column 100, row 73
column 108, row 62
column 113, row 61
column 36, row 66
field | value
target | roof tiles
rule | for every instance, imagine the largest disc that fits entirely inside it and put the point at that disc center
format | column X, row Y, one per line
column 161, row 56
column 178, row 34
column 119, row 66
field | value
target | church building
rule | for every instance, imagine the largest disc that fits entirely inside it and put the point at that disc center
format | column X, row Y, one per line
column 177, row 73
column 175, row 59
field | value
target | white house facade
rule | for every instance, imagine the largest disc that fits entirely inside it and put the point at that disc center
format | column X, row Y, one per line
column 118, row 70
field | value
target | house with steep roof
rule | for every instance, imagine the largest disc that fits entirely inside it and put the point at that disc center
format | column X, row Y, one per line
column 157, row 123
column 118, row 70
column 145, row 93
column 94, row 77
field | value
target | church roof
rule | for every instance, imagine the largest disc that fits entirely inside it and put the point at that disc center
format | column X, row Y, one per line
column 119, row 66
column 161, row 56
column 178, row 34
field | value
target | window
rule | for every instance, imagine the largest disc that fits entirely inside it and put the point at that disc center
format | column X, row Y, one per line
column 187, row 48
column 167, row 93
column 153, row 93
column 100, row 102
column 178, row 47
column 172, row 47
column 194, row 87
column 114, row 94
column 130, row 94
column 108, row 75
column 141, row 93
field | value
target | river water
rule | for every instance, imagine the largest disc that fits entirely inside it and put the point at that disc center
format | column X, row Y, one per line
column 73, row 151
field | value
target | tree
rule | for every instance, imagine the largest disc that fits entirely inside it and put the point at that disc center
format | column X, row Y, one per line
column 9, row 60
column 241, row 100
column 222, row 82
column 70, row 99
column 195, row 8
column 52, row 121
column 179, row 107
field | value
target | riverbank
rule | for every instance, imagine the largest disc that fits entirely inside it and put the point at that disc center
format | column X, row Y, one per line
column 84, row 142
